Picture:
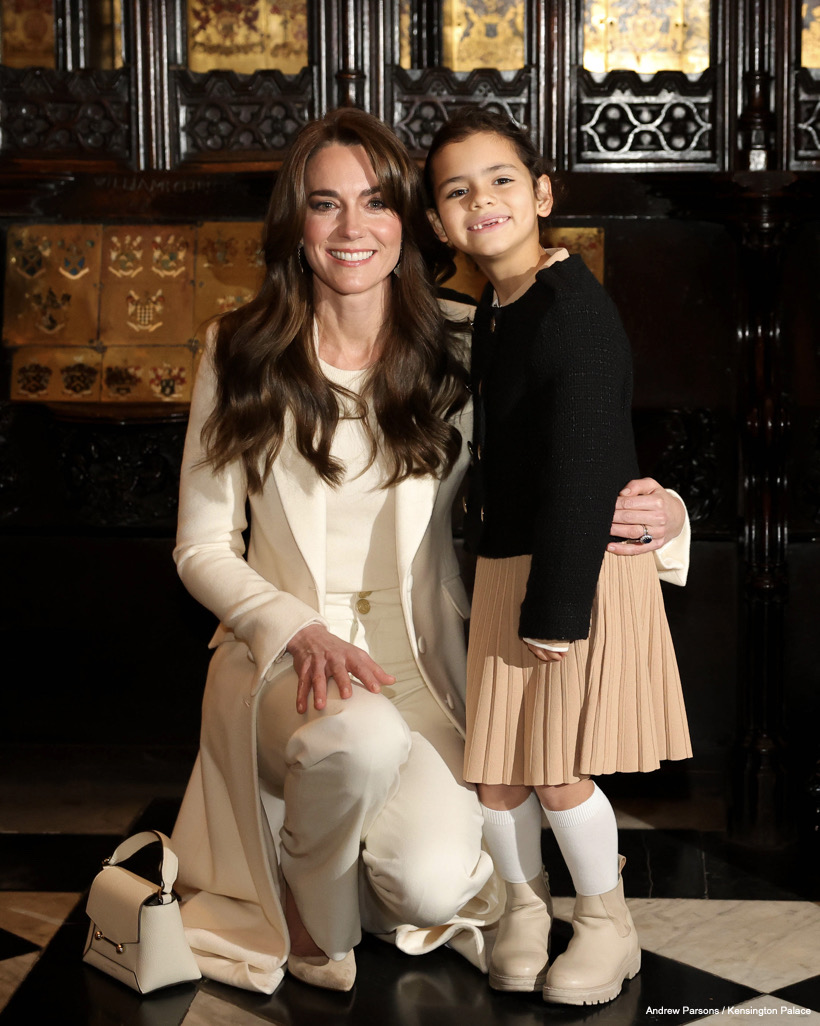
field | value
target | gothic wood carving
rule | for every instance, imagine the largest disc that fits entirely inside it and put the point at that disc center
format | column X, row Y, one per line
column 666, row 121
column 57, row 116
column 223, row 115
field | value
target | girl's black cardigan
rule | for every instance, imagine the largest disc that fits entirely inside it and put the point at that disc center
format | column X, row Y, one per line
column 551, row 376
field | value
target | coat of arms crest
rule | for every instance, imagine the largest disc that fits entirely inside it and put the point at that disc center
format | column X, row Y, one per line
column 125, row 256
column 168, row 256
column 144, row 311
column 29, row 255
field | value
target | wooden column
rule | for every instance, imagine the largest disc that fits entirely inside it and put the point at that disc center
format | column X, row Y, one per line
column 759, row 814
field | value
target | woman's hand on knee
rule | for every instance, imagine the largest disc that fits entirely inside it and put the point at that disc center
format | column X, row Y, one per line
column 319, row 656
column 644, row 506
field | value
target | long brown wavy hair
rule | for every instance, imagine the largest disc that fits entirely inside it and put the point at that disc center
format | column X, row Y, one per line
column 265, row 359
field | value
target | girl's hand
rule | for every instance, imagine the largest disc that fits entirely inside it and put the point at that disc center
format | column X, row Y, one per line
column 546, row 655
column 645, row 504
column 319, row 655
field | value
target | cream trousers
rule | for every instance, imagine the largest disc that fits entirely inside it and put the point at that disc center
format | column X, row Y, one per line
column 379, row 828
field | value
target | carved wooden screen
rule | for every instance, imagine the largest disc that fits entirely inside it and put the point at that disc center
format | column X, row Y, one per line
column 645, row 84
column 467, row 51
column 244, row 80
column 66, row 90
column 807, row 88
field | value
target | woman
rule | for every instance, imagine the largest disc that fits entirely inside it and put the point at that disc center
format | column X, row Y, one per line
column 334, row 404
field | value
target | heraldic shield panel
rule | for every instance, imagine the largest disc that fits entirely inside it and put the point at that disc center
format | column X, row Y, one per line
column 119, row 313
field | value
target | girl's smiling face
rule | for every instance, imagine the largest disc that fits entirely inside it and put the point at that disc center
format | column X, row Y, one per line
column 487, row 204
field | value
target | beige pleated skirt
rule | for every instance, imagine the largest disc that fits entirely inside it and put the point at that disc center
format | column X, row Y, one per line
column 613, row 704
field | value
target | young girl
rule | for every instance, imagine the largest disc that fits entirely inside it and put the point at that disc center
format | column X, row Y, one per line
column 571, row 670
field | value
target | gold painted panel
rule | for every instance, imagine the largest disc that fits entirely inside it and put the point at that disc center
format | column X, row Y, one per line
column 104, row 38
column 52, row 284
column 405, row 28
column 146, row 374
column 810, row 49
column 147, row 284
column 248, row 35
column 56, row 374
column 646, row 35
column 28, row 33
column 229, row 268
column 483, row 34
column 588, row 243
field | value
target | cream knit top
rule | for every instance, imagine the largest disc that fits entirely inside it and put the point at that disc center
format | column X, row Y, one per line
column 361, row 515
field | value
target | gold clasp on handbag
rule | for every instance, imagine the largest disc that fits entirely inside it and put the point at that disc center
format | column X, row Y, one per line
column 99, row 935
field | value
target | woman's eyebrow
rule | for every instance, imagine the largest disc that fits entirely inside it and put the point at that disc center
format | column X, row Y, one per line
column 336, row 195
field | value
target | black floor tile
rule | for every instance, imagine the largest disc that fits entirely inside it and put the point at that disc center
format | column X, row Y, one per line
column 11, row 945
column 52, row 862
column 659, row 864
column 697, row 864
column 733, row 871
column 441, row 988
column 438, row 989
column 805, row 993
column 62, row 989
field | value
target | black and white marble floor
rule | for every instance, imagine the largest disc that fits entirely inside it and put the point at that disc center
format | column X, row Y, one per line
column 727, row 934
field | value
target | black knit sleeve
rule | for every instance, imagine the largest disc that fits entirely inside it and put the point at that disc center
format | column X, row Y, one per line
column 585, row 455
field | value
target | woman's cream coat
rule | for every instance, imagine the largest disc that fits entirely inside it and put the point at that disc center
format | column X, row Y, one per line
column 225, row 841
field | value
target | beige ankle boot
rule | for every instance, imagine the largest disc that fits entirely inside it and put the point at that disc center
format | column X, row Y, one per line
column 521, row 950
column 602, row 953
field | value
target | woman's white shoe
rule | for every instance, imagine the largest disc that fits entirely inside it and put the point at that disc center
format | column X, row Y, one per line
column 321, row 971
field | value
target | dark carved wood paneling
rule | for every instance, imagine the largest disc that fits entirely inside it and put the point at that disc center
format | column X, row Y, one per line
column 224, row 116
column 122, row 475
column 666, row 121
column 57, row 116
column 423, row 99
column 807, row 117
column 693, row 452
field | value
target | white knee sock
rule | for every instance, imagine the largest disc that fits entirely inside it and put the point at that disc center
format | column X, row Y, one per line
column 588, row 838
column 514, row 840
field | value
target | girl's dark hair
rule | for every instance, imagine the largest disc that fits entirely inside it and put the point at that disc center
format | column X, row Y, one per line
column 265, row 358
column 470, row 120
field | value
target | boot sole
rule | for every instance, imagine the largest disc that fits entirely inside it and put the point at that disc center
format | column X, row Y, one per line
column 596, row 996
column 518, row 984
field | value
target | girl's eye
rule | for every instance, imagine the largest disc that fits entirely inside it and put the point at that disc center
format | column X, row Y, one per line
column 377, row 204
column 503, row 180
column 456, row 193
column 321, row 205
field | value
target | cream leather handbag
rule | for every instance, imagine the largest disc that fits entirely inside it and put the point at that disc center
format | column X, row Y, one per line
column 136, row 932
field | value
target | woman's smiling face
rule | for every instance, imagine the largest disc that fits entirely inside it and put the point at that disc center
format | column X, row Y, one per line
column 487, row 204
column 352, row 241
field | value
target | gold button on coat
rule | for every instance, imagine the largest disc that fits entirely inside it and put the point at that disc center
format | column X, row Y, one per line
column 362, row 605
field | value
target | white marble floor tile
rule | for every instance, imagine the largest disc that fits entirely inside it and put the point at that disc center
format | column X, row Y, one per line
column 12, row 973
column 209, row 1010
column 762, row 1009
column 762, row 944
column 35, row 915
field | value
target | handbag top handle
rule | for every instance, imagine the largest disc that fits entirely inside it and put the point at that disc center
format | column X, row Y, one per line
column 168, row 866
